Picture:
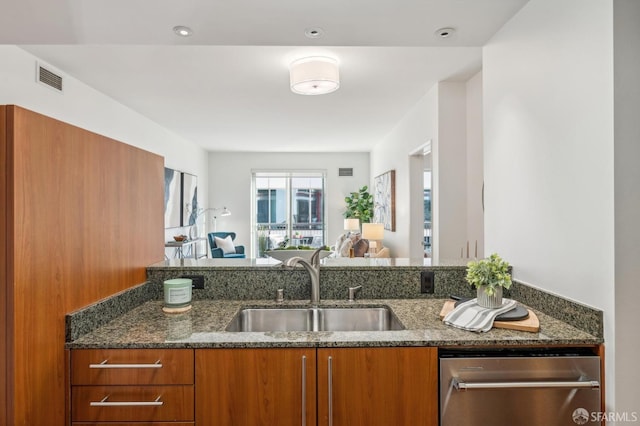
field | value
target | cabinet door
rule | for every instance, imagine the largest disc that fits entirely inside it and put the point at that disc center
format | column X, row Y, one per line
column 378, row 386
column 253, row 387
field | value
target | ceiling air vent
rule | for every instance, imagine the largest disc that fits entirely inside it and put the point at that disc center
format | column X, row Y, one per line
column 345, row 171
column 48, row 78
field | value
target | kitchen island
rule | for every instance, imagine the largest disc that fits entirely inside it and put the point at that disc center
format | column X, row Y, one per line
column 185, row 368
column 204, row 375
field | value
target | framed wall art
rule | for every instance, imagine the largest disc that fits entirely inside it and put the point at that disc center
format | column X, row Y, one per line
column 172, row 198
column 384, row 199
column 189, row 199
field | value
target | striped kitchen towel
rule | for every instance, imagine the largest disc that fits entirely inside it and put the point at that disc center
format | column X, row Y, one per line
column 473, row 317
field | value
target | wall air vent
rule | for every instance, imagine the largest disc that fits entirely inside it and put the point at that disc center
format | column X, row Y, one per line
column 48, row 78
column 345, row 171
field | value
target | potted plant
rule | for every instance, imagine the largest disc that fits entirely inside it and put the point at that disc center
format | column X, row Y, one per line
column 263, row 241
column 489, row 276
column 359, row 205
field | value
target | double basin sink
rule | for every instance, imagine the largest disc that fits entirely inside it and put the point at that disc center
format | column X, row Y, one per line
column 315, row 319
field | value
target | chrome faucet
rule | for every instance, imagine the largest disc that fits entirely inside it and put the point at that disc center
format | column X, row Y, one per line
column 313, row 267
column 353, row 291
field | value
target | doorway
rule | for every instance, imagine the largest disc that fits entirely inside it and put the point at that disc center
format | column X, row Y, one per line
column 427, row 237
column 422, row 219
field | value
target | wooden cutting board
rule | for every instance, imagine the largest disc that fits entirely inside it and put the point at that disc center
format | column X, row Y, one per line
column 531, row 324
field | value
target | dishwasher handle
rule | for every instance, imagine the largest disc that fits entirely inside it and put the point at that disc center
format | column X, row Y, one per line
column 461, row 385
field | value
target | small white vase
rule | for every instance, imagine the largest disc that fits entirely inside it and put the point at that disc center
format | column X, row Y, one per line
column 492, row 302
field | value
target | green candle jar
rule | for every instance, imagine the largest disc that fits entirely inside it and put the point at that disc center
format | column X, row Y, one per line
column 177, row 293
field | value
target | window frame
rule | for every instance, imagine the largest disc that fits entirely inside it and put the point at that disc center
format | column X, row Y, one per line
column 288, row 175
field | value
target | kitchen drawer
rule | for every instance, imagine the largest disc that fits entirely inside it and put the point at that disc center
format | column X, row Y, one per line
column 132, row 403
column 131, row 366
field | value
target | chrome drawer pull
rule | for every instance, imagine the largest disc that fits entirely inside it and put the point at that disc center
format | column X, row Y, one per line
column 104, row 364
column 574, row 384
column 104, row 403
column 304, row 390
column 330, row 388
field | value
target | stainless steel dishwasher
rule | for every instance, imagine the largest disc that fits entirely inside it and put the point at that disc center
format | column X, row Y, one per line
column 511, row 387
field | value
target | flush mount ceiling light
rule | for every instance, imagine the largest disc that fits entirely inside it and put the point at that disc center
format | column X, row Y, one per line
column 314, row 75
column 182, row 31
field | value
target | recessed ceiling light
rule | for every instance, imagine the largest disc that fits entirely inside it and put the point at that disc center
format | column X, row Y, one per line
column 314, row 32
column 445, row 32
column 182, row 31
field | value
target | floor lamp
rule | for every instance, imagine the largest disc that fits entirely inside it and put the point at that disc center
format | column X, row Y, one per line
column 225, row 212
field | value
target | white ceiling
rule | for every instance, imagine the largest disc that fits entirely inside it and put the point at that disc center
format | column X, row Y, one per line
column 227, row 86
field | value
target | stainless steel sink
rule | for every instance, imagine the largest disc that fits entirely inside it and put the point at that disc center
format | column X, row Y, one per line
column 359, row 319
column 267, row 319
column 315, row 319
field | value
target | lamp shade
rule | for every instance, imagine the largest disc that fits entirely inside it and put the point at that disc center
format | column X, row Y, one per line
column 352, row 224
column 314, row 75
column 373, row 231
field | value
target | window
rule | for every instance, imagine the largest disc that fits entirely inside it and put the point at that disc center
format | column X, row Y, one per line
column 289, row 209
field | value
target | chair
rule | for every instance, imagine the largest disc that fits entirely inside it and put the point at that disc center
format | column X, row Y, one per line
column 218, row 252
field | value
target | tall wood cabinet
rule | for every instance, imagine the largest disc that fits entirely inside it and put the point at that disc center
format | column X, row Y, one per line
column 81, row 217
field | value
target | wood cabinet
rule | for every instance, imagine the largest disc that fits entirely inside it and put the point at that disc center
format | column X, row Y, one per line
column 69, row 200
column 132, row 385
column 355, row 386
column 378, row 386
column 256, row 387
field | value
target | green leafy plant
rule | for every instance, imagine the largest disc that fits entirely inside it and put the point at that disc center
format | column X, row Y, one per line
column 491, row 273
column 359, row 205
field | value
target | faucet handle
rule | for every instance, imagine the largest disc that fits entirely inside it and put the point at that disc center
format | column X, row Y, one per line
column 353, row 291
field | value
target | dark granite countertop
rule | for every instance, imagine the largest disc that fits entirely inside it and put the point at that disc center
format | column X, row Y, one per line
column 147, row 326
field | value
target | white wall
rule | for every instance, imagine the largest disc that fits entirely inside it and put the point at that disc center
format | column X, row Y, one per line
column 475, row 170
column 415, row 129
column 89, row 109
column 230, row 183
column 451, row 121
column 548, row 152
column 450, row 173
column 627, row 201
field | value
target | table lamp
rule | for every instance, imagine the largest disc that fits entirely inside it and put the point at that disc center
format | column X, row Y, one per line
column 352, row 225
column 373, row 232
